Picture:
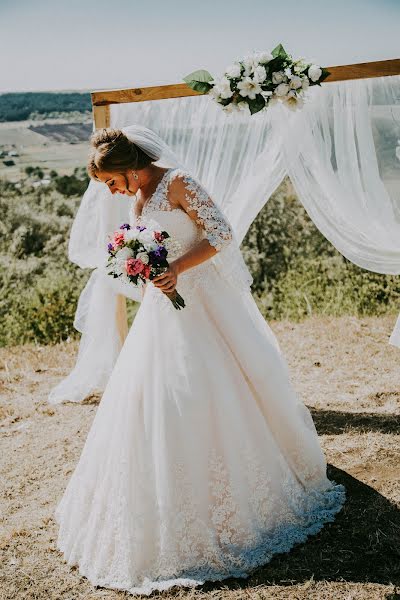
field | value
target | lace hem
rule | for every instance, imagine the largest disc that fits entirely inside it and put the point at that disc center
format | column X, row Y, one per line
column 326, row 506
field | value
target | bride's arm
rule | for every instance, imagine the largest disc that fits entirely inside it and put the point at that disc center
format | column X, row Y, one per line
column 186, row 193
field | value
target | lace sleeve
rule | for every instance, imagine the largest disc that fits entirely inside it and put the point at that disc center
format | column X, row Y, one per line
column 198, row 204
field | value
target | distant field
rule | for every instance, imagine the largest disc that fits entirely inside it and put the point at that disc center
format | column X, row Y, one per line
column 51, row 144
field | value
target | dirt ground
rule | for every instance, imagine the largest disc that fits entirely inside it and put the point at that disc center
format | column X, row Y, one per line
column 347, row 374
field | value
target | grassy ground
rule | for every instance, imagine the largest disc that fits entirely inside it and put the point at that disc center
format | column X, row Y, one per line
column 346, row 373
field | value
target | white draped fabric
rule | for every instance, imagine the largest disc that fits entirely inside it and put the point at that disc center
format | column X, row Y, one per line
column 341, row 151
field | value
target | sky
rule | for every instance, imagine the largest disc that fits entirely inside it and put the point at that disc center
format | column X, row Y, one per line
column 106, row 44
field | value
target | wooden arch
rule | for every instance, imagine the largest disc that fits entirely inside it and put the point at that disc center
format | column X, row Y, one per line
column 102, row 99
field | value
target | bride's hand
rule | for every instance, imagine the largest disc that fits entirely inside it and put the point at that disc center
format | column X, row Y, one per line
column 167, row 281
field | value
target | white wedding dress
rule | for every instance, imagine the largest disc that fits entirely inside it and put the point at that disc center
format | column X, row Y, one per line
column 201, row 462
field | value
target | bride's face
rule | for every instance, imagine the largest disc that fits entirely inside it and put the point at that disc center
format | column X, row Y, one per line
column 122, row 183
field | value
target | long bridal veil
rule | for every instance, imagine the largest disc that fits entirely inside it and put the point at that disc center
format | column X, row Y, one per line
column 341, row 151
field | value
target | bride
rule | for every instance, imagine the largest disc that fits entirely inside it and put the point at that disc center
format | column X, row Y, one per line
column 201, row 462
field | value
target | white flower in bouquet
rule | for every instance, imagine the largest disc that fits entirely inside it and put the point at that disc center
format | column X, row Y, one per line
column 214, row 93
column 144, row 257
column 314, row 72
column 120, row 258
column 223, row 88
column 278, row 77
column 299, row 65
column 293, row 101
column 250, row 62
column 295, row 82
column 264, row 57
column 123, row 254
column 233, row 71
column 305, row 84
column 282, row 90
column 146, row 238
column 266, row 94
column 248, row 87
column 260, row 74
column 131, row 234
column 288, row 72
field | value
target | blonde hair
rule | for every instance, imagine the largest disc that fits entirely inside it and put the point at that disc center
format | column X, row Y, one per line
column 111, row 151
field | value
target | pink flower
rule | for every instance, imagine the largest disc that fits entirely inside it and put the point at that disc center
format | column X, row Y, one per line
column 134, row 266
column 158, row 236
column 118, row 238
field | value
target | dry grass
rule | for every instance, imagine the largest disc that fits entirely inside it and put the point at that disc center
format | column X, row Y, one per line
column 347, row 374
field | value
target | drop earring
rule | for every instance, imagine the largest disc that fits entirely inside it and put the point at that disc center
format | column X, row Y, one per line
column 136, row 177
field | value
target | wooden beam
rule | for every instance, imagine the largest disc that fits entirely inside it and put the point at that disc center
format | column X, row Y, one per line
column 103, row 98
column 380, row 68
column 158, row 92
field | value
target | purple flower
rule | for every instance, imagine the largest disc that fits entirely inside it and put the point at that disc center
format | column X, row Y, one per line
column 161, row 252
column 110, row 247
column 125, row 226
column 140, row 227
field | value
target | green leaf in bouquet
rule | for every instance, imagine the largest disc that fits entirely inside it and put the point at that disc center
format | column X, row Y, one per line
column 324, row 75
column 279, row 51
column 257, row 104
column 199, row 81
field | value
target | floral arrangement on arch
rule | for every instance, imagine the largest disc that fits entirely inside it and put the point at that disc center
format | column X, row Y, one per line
column 260, row 80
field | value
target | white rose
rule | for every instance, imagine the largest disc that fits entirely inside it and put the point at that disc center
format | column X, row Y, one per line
column 146, row 237
column 264, row 57
column 233, row 70
column 282, row 89
column 224, row 88
column 123, row 254
column 259, row 74
column 250, row 63
column 305, row 83
column 131, row 234
column 299, row 65
column 314, row 72
column 144, row 257
column 295, row 82
column 288, row 72
column 278, row 77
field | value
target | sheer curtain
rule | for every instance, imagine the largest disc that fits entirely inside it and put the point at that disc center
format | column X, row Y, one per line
column 341, row 151
column 341, row 155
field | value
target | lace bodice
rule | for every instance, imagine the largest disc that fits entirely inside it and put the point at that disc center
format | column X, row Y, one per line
column 204, row 221
column 198, row 209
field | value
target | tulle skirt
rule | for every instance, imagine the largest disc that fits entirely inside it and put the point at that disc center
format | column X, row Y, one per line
column 201, row 462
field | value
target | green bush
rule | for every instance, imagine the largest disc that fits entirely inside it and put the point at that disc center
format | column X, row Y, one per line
column 296, row 271
column 44, row 312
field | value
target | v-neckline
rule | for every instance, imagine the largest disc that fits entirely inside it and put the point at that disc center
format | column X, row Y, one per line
column 155, row 192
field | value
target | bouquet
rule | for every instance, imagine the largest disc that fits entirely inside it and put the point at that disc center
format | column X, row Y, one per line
column 138, row 254
column 260, row 80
